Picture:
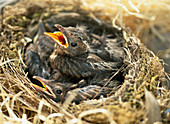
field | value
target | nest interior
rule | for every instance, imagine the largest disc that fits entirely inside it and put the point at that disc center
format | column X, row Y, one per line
column 142, row 98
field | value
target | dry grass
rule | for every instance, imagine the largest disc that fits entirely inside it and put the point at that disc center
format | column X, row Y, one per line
column 20, row 103
column 139, row 15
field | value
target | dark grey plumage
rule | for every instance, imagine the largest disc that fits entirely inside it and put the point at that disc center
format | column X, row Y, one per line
column 85, row 60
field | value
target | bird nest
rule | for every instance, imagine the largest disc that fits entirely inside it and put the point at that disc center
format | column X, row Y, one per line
column 141, row 98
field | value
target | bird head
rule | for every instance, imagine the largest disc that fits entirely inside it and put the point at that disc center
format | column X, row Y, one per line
column 52, row 89
column 69, row 42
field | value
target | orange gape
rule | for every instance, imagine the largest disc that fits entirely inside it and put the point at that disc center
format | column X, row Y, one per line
column 58, row 37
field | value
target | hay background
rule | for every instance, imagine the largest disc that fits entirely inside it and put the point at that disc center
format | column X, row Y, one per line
column 20, row 103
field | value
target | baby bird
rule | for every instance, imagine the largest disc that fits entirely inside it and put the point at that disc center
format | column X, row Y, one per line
column 59, row 92
column 73, row 57
column 37, row 53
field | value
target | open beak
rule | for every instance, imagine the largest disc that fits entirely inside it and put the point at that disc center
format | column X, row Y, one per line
column 45, row 89
column 60, row 36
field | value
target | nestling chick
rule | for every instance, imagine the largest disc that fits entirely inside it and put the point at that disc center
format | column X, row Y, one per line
column 72, row 56
column 59, row 92
column 37, row 53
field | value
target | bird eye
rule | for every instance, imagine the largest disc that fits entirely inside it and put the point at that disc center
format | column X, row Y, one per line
column 73, row 44
column 58, row 91
column 79, row 38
